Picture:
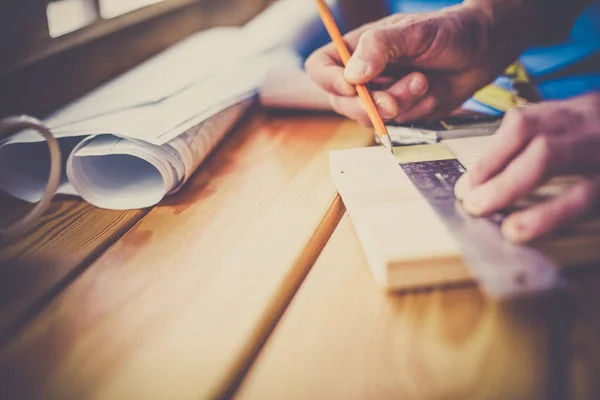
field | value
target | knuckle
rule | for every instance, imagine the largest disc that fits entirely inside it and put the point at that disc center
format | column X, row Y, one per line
column 374, row 37
column 377, row 40
column 430, row 104
column 519, row 122
column 586, row 191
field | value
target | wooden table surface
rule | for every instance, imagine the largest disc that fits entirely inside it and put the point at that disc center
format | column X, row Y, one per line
column 250, row 284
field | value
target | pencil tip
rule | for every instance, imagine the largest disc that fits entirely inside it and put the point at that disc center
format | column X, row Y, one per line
column 387, row 142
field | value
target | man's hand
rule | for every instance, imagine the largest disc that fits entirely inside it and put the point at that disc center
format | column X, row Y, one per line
column 418, row 66
column 533, row 144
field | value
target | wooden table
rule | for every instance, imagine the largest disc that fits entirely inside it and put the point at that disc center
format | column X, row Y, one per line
column 250, row 284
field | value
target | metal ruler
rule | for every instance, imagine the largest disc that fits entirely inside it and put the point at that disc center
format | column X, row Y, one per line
column 504, row 269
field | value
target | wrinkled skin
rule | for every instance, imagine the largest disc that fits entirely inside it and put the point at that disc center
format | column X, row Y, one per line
column 532, row 145
column 426, row 65
column 417, row 65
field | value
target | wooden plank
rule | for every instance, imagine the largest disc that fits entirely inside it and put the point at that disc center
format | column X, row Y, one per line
column 179, row 307
column 66, row 239
column 405, row 242
column 344, row 338
column 575, row 246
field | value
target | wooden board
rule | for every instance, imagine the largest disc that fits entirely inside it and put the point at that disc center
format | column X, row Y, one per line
column 36, row 267
column 405, row 243
column 179, row 307
column 343, row 338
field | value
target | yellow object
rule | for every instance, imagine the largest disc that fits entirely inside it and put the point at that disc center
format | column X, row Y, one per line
column 496, row 97
column 517, row 73
column 426, row 152
column 503, row 99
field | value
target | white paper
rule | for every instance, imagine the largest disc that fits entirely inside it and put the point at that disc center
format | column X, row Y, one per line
column 140, row 136
column 24, row 169
column 118, row 173
column 156, row 122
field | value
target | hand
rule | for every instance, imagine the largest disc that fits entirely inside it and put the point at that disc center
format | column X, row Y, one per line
column 422, row 65
column 532, row 145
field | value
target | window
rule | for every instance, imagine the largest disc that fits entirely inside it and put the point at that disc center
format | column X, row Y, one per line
column 66, row 16
column 53, row 51
column 114, row 8
column 31, row 30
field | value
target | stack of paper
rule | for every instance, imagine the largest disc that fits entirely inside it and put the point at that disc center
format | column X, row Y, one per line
column 139, row 137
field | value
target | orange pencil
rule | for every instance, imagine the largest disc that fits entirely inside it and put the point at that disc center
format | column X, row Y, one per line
column 363, row 92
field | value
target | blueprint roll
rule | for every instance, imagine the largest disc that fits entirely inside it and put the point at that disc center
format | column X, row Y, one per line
column 120, row 173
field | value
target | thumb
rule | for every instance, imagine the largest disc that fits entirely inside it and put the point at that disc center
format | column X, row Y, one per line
column 377, row 47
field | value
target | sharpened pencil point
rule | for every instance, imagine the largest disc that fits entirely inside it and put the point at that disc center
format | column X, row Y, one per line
column 387, row 142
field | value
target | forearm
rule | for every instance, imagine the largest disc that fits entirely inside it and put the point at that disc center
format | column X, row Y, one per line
column 516, row 25
column 540, row 21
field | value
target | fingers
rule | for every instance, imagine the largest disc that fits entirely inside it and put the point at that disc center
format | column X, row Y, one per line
column 424, row 105
column 539, row 220
column 519, row 178
column 353, row 108
column 373, row 48
column 409, row 91
column 372, row 54
column 397, row 100
column 532, row 145
column 519, row 126
column 517, row 129
column 377, row 47
column 324, row 68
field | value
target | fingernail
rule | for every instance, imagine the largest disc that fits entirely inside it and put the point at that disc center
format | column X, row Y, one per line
column 476, row 203
column 356, row 70
column 384, row 111
column 343, row 87
column 515, row 230
column 462, row 186
column 416, row 87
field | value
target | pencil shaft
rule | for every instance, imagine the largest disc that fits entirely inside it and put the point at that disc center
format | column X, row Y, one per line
column 371, row 109
column 344, row 53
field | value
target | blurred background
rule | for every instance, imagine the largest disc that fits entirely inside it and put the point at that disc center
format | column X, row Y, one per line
column 53, row 51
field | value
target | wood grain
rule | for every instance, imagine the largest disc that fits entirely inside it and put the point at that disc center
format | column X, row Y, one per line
column 343, row 338
column 179, row 307
column 405, row 242
column 35, row 267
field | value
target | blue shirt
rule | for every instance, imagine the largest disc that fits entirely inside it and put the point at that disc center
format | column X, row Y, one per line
column 548, row 66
